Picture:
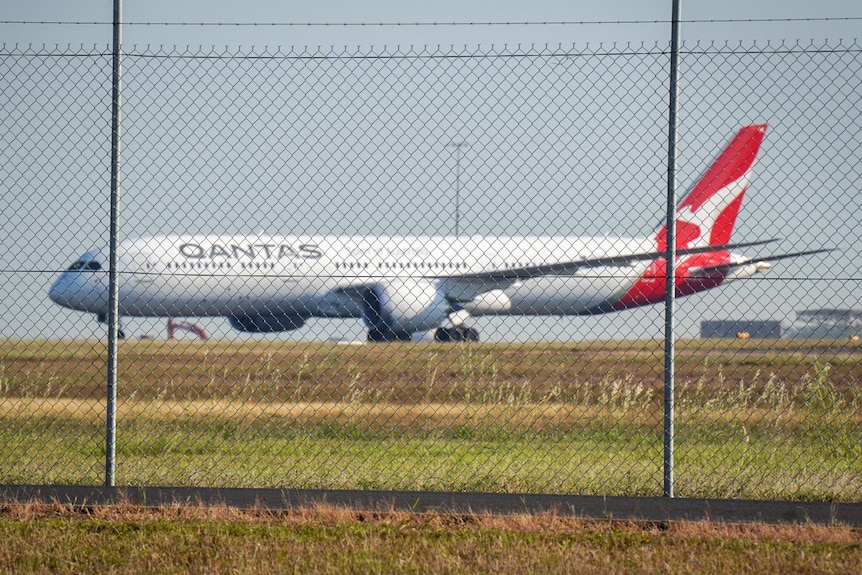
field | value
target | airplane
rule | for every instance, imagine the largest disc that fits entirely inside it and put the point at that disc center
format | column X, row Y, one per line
column 401, row 286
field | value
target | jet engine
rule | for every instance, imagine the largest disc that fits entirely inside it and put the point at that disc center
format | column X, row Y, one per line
column 399, row 307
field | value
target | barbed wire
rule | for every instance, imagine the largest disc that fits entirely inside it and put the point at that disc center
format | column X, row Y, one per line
column 426, row 52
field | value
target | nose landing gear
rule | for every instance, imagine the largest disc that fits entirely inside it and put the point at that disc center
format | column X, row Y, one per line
column 103, row 318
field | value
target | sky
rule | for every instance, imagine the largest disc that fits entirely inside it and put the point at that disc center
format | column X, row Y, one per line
column 615, row 173
column 645, row 20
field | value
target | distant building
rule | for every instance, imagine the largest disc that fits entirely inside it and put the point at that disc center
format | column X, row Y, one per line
column 756, row 329
column 826, row 324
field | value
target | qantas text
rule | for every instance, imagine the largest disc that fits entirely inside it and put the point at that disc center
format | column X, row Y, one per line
column 250, row 251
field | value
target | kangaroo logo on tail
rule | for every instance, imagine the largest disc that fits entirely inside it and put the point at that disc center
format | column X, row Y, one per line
column 704, row 218
column 708, row 212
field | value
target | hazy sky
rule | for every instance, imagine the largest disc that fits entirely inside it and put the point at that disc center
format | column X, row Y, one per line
column 806, row 187
column 443, row 11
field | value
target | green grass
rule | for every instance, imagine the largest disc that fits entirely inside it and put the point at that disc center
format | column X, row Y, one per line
column 543, row 419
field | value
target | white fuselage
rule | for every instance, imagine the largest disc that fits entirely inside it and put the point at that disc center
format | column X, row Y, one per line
column 233, row 275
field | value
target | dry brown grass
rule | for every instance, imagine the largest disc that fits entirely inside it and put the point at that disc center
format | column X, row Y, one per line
column 326, row 514
column 429, row 415
column 325, row 539
column 300, row 371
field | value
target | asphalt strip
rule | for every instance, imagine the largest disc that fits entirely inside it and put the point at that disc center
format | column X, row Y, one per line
column 592, row 507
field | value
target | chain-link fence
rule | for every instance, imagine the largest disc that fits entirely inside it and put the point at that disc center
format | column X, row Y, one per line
column 278, row 208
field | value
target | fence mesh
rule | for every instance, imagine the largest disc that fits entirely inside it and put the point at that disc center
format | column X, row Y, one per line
column 269, row 181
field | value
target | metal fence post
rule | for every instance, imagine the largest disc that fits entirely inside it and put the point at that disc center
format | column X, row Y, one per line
column 670, row 257
column 113, row 287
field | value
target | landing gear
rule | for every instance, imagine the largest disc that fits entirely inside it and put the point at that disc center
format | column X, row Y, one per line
column 103, row 318
column 458, row 333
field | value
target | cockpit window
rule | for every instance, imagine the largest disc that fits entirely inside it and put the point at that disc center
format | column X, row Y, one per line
column 85, row 265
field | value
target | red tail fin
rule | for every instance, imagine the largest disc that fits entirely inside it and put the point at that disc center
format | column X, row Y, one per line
column 708, row 212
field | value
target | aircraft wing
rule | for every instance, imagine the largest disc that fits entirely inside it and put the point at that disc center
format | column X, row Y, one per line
column 346, row 300
column 465, row 287
column 568, row 268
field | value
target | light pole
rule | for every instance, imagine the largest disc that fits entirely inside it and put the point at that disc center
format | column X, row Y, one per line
column 458, row 147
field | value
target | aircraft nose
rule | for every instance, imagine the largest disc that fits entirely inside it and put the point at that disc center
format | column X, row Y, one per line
column 82, row 291
column 72, row 290
column 59, row 290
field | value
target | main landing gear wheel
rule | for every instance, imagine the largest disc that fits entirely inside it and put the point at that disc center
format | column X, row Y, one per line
column 456, row 334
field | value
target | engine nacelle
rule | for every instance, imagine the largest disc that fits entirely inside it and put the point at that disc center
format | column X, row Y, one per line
column 266, row 323
column 494, row 302
column 403, row 306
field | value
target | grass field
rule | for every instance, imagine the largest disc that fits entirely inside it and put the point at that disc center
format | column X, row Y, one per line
column 39, row 538
column 777, row 419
